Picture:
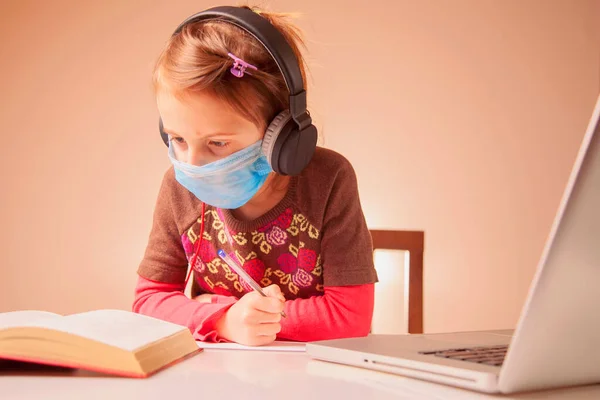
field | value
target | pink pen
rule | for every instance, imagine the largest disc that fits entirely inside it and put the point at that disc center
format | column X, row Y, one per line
column 241, row 272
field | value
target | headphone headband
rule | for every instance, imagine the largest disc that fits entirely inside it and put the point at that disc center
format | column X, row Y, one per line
column 274, row 42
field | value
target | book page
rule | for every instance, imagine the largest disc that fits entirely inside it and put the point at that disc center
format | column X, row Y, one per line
column 123, row 329
column 14, row 319
column 275, row 346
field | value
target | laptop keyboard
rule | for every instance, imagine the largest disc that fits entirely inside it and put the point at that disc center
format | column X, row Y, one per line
column 492, row 355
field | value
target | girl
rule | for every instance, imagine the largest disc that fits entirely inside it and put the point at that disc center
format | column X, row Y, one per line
column 302, row 236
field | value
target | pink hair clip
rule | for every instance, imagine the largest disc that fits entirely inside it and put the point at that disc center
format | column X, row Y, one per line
column 240, row 66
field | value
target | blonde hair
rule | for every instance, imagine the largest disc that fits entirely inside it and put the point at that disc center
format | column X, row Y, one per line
column 196, row 59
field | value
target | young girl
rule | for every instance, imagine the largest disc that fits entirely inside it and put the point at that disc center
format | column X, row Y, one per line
column 303, row 236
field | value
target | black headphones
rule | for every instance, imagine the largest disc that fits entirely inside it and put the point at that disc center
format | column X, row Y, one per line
column 291, row 138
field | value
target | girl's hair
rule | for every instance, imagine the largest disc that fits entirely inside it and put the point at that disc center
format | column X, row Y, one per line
column 196, row 60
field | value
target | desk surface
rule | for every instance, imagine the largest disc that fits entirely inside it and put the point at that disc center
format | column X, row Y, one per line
column 247, row 375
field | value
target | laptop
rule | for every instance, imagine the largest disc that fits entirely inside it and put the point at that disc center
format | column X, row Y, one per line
column 556, row 342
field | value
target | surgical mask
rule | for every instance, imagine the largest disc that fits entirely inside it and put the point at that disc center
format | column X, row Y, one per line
column 227, row 183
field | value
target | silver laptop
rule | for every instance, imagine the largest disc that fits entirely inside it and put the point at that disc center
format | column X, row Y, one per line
column 557, row 339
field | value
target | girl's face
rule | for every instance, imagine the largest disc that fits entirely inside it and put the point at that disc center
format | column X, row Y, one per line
column 203, row 129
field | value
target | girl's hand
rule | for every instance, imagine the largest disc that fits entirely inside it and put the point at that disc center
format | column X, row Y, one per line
column 253, row 320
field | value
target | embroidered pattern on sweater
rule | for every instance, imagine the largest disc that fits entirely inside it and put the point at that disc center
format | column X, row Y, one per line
column 285, row 252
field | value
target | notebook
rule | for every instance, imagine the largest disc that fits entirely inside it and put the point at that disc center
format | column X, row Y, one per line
column 275, row 346
column 109, row 341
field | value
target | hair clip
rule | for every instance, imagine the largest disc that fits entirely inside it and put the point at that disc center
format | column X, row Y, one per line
column 239, row 66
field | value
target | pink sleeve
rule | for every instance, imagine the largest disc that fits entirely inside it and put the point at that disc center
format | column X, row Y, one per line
column 167, row 301
column 344, row 311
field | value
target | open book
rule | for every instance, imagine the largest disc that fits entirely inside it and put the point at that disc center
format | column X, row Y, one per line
column 109, row 341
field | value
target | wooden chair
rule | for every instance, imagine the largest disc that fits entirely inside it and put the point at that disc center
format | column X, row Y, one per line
column 413, row 242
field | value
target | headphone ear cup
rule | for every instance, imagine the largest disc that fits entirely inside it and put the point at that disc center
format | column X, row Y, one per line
column 163, row 135
column 296, row 148
column 271, row 138
column 288, row 150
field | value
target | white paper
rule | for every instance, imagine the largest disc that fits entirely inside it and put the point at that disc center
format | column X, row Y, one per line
column 275, row 346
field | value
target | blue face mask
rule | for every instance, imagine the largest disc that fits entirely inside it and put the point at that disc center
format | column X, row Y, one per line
column 227, row 183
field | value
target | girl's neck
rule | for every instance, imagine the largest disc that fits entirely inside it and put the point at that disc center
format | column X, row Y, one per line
column 268, row 196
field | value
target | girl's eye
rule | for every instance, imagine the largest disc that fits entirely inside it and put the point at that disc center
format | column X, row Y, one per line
column 218, row 144
column 179, row 140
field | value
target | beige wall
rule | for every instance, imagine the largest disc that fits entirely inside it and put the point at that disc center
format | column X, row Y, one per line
column 461, row 118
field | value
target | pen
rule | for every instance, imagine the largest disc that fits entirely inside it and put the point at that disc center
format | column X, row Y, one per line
column 241, row 272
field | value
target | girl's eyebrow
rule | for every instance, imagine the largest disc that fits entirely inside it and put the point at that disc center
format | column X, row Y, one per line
column 172, row 133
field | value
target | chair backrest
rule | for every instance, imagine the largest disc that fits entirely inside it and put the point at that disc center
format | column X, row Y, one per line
column 413, row 242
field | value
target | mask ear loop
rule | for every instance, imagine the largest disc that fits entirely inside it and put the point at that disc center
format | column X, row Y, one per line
column 197, row 249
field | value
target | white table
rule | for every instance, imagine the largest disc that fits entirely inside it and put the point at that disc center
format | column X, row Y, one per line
column 237, row 374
